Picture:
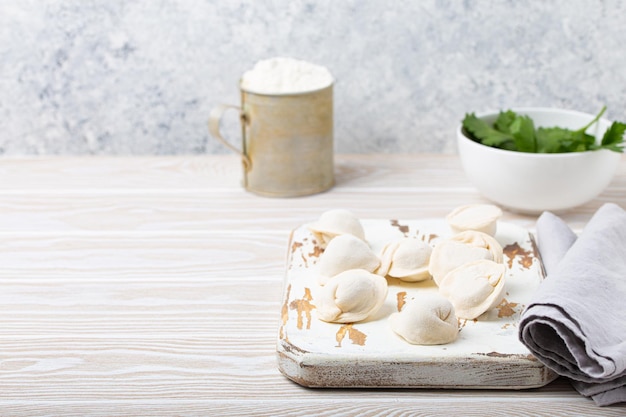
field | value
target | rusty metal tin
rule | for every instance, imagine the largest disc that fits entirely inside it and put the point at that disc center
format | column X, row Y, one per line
column 287, row 148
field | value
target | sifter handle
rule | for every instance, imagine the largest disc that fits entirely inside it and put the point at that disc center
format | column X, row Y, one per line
column 215, row 118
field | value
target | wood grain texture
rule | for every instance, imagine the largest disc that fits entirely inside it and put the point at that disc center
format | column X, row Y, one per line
column 152, row 286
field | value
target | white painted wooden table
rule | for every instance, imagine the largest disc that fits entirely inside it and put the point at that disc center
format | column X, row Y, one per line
column 152, row 286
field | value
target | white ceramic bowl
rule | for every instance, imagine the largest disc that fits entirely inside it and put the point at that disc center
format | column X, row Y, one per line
column 532, row 183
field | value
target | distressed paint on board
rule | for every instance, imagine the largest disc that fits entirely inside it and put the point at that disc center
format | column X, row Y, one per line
column 487, row 353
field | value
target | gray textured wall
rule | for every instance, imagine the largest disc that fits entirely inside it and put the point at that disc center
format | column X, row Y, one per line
column 140, row 77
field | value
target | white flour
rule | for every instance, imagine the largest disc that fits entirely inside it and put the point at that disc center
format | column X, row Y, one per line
column 284, row 76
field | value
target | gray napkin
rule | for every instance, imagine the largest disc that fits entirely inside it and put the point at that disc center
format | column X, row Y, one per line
column 556, row 239
column 576, row 322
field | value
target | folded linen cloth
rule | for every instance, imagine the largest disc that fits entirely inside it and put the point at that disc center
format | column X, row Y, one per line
column 554, row 241
column 576, row 322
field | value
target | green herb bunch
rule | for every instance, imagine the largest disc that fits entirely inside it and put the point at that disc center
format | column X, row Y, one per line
column 516, row 132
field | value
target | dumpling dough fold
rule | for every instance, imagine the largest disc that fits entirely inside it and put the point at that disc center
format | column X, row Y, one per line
column 346, row 252
column 462, row 248
column 336, row 222
column 426, row 320
column 474, row 288
column 351, row 296
column 479, row 217
column 406, row 259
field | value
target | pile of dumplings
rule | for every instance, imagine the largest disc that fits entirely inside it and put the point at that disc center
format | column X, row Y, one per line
column 467, row 267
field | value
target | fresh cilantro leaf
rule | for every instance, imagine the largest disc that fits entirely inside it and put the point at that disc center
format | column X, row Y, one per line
column 504, row 121
column 523, row 131
column 613, row 138
column 483, row 133
column 588, row 141
column 517, row 133
column 550, row 139
column 577, row 141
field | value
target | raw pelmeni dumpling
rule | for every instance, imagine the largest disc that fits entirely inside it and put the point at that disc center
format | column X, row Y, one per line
column 406, row 259
column 479, row 217
column 462, row 248
column 336, row 222
column 351, row 296
column 346, row 252
column 426, row 320
column 474, row 288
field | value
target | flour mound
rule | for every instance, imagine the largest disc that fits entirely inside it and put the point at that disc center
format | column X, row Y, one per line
column 285, row 76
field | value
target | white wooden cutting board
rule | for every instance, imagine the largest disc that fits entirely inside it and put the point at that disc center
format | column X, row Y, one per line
column 486, row 354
